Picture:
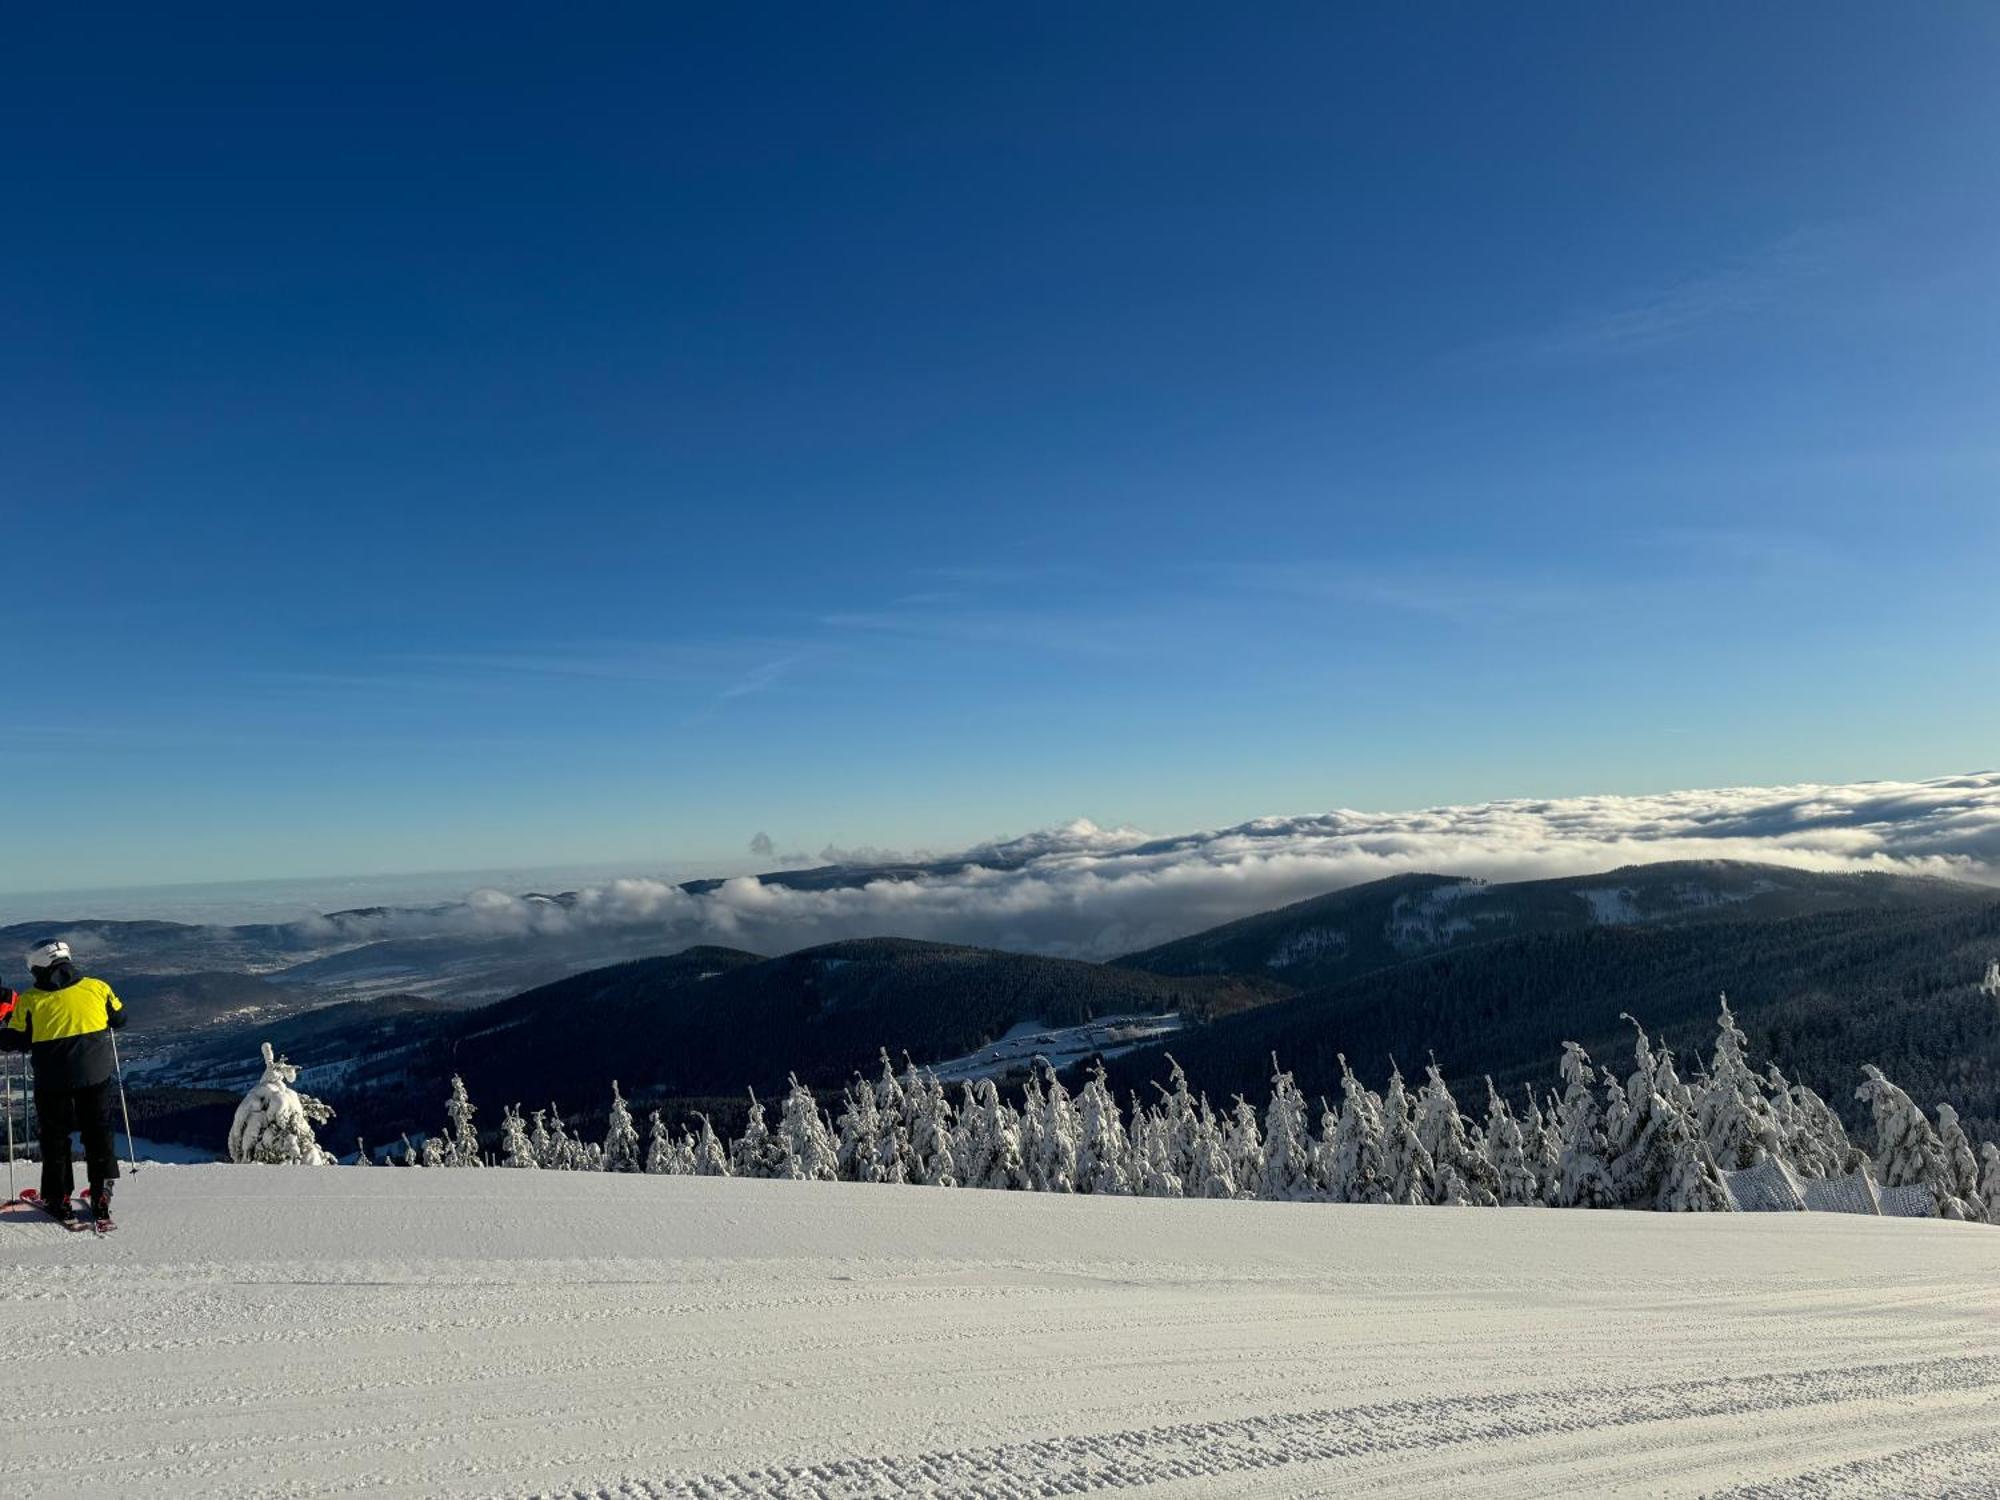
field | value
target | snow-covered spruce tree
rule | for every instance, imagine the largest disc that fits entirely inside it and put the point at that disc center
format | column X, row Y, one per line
column 858, row 1154
column 1409, row 1173
column 751, row 1153
column 990, row 1146
column 274, row 1124
column 460, row 1147
column 1963, row 1165
column 1060, row 1136
column 1033, row 1115
column 1103, row 1153
column 1584, row 1180
column 540, row 1141
column 1354, row 1171
column 933, row 1132
column 1442, row 1130
column 1989, row 1181
column 622, row 1149
column 1181, row 1134
column 810, row 1155
column 1209, row 1174
column 562, row 1154
column 432, row 1153
column 1990, row 985
column 1153, row 1171
column 1507, row 1154
column 663, row 1153
column 1244, row 1140
column 892, row 1108
column 1734, row 1115
column 711, row 1157
column 1289, row 1175
column 1815, row 1141
column 1659, row 1159
column 1907, row 1150
column 1541, row 1143
column 516, row 1149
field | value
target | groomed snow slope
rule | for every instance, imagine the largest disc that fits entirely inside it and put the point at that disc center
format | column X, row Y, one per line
column 288, row 1331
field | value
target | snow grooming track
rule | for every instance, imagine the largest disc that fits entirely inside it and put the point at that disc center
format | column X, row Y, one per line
column 1211, row 1450
column 293, row 1331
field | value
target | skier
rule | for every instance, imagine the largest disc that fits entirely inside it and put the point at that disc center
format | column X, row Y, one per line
column 64, row 1023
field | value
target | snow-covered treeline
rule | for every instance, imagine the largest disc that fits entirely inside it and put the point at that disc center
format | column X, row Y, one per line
column 1643, row 1138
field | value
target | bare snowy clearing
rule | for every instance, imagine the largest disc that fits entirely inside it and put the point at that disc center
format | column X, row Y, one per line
column 286, row 1331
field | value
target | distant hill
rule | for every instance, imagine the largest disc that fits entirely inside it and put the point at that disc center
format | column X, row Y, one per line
column 706, row 1023
column 1347, row 933
column 1896, row 983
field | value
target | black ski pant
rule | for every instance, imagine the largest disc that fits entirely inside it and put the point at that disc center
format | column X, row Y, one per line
column 86, row 1110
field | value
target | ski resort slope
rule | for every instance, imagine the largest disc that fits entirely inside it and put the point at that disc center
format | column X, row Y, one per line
column 290, row 1331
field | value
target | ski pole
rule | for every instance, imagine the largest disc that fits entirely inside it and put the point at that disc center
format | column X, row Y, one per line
column 11, row 1194
column 118, row 1069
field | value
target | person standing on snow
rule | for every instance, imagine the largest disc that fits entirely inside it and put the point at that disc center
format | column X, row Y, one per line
column 64, row 1024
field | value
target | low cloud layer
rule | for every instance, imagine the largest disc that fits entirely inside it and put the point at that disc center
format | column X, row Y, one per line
column 1091, row 892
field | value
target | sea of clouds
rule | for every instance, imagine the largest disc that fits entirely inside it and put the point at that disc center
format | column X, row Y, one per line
column 1092, row 892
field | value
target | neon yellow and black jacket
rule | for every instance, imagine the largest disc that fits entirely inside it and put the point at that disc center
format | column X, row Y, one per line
column 67, row 1032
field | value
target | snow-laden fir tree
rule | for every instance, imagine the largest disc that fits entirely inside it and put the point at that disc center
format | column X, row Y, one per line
column 1735, row 1117
column 461, row 1143
column 1103, row 1152
column 1209, row 1174
column 1180, row 1133
column 858, row 1154
column 1541, row 1143
column 1442, row 1130
column 660, row 1155
column 1989, row 1181
column 711, row 1157
column 622, row 1149
column 540, row 1142
column 1581, row 1171
column 1354, row 1172
column 892, row 1108
column 1060, row 1136
column 1033, row 1114
column 1815, row 1141
column 750, row 1154
column 810, row 1154
column 274, row 1124
column 1961, row 1164
column 432, row 1153
column 516, row 1148
column 989, row 1144
column 1244, row 1140
column 1659, row 1159
column 1990, row 985
column 933, row 1132
column 1154, row 1170
column 1409, row 1173
column 1507, row 1153
column 1907, row 1149
column 1289, row 1175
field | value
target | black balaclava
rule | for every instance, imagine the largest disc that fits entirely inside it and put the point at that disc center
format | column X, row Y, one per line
column 56, row 976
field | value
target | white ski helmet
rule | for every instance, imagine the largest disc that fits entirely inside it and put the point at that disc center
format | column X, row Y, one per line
column 48, row 955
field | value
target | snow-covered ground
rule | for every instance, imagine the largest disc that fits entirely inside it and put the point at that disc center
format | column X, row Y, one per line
column 290, row 1331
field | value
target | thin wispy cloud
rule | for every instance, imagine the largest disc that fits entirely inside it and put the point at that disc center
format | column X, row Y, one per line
column 1666, row 313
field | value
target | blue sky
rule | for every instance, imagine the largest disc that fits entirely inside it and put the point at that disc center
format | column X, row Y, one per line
column 480, row 436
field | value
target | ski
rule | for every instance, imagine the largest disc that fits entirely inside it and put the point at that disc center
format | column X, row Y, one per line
column 87, row 1217
column 35, row 1200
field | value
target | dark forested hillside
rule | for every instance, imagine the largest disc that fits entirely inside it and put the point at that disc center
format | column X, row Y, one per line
column 1819, row 995
column 712, row 1022
column 1347, row 933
